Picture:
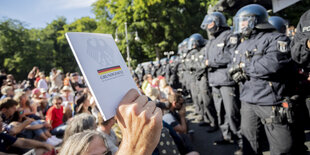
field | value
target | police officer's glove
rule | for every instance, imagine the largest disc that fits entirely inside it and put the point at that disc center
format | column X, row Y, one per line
column 234, row 69
column 239, row 77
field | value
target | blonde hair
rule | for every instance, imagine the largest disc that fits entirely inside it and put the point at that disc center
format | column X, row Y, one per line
column 5, row 89
column 78, row 144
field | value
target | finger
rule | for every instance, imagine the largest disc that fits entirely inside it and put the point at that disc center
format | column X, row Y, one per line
column 141, row 101
column 130, row 97
column 149, row 109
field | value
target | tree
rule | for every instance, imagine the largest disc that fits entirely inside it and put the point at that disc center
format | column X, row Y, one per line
column 161, row 24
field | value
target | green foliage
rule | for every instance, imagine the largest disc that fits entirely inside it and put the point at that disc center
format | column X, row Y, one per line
column 22, row 48
column 161, row 24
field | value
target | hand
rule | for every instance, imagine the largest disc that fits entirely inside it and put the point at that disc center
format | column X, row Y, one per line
column 207, row 62
column 49, row 147
column 182, row 111
column 239, row 77
column 234, row 69
column 308, row 44
column 47, row 125
column 29, row 120
column 140, row 122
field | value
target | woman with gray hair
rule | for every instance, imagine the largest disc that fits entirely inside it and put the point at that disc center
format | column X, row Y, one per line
column 87, row 142
column 80, row 123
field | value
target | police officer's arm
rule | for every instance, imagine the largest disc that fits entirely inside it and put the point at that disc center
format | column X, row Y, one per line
column 223, row 58
column 300, row 51
column 274, row 59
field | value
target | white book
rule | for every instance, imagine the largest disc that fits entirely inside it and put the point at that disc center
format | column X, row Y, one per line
column 103, row 68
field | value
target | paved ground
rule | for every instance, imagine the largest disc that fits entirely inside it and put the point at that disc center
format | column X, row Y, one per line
column 203, row 141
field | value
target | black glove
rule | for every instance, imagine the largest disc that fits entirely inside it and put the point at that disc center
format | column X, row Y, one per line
column 234, row 69
column 239, row 77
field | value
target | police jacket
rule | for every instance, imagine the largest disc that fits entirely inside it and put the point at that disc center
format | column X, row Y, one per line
column 218, row 58
column 299, row 51
column 201, row 69
column 267, row 64
column 190, row 61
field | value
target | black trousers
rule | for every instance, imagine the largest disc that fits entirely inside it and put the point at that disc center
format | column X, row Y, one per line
column 279, row 135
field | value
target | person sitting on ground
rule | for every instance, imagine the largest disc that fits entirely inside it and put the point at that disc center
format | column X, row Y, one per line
column 80, row 123
column 87, row 142
column 7, row 109
column 83, row 104
column 7, row 141
column 176, row 115
column 75, row 84
column 42, row 82
column 67, row 97
column 7, row 91
column 105, row 127
column 56, row 78
column 38, row 102
column 54, row 115
column 176, row 119
column 165, row 89
column 32, row 76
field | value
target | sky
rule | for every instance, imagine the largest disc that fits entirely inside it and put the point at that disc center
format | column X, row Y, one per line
column 38, row 13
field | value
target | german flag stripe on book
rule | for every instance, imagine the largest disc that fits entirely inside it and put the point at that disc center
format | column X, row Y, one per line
column 109, row 70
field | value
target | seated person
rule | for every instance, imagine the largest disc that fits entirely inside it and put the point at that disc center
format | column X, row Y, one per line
column 87, row 142
column 176, row 115
column 7, row 109
column 54, row 115
column 176, row 119
column 80, row 123
column 105, row 127
column 7, row 142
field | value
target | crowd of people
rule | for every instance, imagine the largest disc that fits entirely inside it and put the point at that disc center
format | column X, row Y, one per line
column 246, row 81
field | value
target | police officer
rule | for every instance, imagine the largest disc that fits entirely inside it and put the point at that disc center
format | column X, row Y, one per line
column 195, row 43
column 261, row 64
column 300, row 51
column 205, row 94
column 279, row 23
column 224, row 89
column 186, row 72
column 140, row 73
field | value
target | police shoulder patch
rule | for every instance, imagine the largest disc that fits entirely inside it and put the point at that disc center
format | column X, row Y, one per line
column 282, row 46
column 233, row 40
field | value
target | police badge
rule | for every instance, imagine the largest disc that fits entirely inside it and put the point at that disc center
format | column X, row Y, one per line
column 282, row 46
column 233, row 40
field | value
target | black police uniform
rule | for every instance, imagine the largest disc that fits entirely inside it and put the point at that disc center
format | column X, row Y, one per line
column 301, row 53
column 205, row 94
column 223, row 87
column 266, row 58
column 191, row 80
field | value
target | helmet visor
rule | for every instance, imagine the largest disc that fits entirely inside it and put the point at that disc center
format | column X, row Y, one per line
column 208, row 20
column 243, row 25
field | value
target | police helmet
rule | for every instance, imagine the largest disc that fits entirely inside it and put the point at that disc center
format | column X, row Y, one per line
column 218, row 19
column 184, row 45
column 250, row 17
column 195, row 41
column 278, row 22
column 180, row 48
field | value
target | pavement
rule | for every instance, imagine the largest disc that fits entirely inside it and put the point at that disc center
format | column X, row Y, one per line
column 203, row 141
